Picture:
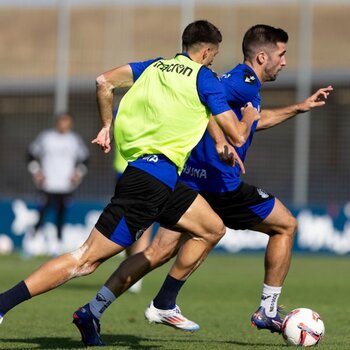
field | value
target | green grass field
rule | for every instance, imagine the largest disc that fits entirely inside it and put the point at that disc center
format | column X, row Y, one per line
column 220, row 296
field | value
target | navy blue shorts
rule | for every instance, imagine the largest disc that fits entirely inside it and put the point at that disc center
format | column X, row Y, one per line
column 242, row 208
column 139, row 200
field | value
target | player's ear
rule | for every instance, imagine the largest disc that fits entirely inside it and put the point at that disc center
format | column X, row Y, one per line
column 205, row 52
column 261, row 57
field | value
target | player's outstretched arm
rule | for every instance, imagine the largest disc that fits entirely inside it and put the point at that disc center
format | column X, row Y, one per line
column 238, row 130
column 120, row 77
column 273, row 117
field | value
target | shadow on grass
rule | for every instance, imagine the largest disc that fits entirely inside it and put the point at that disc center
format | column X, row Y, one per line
column 130, row 342
column 127, row 341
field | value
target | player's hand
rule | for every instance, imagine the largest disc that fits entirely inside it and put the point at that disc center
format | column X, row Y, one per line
column 318, row 99
column 103, row 139
column 229, row 156
column 249, row 109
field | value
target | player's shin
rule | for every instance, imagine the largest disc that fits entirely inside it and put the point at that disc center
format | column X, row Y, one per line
column 189, row 258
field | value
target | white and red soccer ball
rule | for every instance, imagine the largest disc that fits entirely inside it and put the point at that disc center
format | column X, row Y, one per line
column 303, row 327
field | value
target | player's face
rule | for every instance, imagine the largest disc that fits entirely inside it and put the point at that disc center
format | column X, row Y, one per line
column 210, row 53
column 276, row 61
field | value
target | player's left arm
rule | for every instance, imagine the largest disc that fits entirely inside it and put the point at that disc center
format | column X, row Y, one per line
column 106, row 83
column 273, row 117
column 225, row 150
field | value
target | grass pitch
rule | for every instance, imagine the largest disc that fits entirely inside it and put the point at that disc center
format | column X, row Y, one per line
column 220, row 296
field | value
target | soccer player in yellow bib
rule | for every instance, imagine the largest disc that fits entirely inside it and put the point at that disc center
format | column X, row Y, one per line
column 159, row 121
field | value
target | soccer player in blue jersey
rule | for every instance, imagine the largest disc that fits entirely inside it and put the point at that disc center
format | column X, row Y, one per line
column 160, row 119
column 240, row 205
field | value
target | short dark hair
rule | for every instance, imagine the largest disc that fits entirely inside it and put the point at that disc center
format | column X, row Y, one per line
column 200, row 31
column 260, row 36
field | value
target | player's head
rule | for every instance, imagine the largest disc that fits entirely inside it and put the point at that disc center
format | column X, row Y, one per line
column 64, row 122
column 203, row 39
column 265, row 47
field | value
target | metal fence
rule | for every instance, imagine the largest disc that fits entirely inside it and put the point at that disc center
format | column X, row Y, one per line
column 53, row 50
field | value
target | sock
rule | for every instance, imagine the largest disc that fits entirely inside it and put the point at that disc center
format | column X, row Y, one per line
column 269, row 298
column 101, row 301
column 13, row 297
column 166, row 297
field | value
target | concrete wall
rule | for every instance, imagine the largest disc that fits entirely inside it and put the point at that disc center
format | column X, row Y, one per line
column 106, row 36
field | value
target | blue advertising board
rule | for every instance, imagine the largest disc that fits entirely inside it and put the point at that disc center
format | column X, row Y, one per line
column 319, row 230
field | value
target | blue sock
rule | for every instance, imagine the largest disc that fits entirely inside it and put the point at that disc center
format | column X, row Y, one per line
column 166, row 297
column 13, row 297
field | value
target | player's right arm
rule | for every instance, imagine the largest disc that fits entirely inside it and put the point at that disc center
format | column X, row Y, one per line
column 120, row 77
column 225, row 150
column 106, row 83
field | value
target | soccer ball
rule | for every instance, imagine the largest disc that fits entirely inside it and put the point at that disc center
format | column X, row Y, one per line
column 303, row 327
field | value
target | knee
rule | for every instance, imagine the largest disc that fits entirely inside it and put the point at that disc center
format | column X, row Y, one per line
column 156, row 256
column 217, row 233
column 291, row 227
column 84, row 263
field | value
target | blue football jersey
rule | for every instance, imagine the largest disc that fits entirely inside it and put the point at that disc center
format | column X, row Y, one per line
column 204, row 171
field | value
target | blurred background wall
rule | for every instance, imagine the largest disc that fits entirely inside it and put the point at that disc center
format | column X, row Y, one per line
column 51, row 52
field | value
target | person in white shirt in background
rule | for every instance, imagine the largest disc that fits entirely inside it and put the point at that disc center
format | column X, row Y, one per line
column 57, row 163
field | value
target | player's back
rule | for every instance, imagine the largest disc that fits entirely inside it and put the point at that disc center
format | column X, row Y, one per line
column 162, row 112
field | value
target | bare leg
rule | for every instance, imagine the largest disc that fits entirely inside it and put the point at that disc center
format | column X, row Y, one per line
column 141, row 244
column 281, row 226
column 192, row 253
column 163, row 247
column 206, row 229
column 57, row 271
column 83, row 261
